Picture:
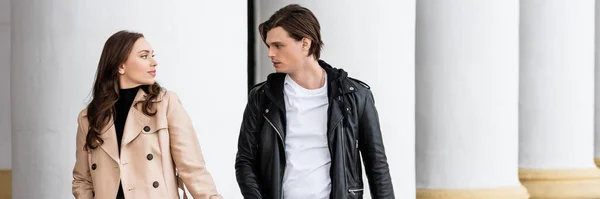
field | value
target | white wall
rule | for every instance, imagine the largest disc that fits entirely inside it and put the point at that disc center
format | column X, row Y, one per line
column 56, row 50
column 5, row 146
column 374, row 42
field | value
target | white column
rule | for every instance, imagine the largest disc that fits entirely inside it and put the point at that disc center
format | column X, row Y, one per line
column 597, row 87
column 557, row 99
column 377, row 47
column 56, row 46
column 5, row 145
column 467, row 99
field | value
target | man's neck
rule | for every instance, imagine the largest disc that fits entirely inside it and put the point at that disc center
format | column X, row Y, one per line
column 310, row 76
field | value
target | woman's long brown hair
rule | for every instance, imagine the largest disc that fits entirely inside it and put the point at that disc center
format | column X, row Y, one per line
column 106, row 86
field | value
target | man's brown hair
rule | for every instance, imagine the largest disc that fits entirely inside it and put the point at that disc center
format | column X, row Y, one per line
column 299, row 22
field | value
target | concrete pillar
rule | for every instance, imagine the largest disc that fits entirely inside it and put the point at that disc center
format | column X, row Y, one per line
column 5, row 145
column 377, row 47
column 56, row 46
column 557, row 99
column 467, row 99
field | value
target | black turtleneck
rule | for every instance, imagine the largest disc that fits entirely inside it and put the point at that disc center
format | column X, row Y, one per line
column 126, row 97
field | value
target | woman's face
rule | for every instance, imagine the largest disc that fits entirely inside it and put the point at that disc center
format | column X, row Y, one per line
column 140, row 66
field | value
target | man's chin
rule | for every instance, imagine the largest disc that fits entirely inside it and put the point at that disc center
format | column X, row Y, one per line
column 279, row 70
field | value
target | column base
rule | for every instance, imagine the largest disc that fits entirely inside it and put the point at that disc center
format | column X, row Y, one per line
column 5, row 184
column 491, row 193
column 567, row 183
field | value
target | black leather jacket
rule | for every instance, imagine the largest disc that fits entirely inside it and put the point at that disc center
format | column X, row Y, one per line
column 353, row 127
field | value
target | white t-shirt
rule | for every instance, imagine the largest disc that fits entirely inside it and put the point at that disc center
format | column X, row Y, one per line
column 306, row 147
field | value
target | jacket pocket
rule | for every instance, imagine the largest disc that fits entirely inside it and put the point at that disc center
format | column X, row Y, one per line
column 355, row 193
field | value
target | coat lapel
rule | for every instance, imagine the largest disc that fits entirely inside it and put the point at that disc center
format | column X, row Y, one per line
column 136, row 120
column 109, row 136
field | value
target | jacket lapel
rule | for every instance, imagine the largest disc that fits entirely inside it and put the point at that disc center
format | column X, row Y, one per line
column 136, row 120
column 275, row 89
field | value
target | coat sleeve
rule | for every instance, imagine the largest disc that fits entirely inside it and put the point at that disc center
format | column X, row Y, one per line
column 82, row 179
column 187, row 153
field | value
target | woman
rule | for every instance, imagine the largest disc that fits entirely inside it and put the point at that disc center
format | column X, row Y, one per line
column 134, row 139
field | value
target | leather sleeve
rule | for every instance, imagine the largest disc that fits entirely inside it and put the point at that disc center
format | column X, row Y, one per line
column 246, row 158
column 373, row 152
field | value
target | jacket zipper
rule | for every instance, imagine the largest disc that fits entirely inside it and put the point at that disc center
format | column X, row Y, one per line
column 280, row 138
column 357, row 154
column 357, row 161
column 278, row 133
column 336, row 125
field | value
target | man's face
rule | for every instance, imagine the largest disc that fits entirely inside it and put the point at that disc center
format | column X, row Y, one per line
column 287, row 54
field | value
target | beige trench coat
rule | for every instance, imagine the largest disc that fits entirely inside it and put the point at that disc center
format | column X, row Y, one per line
column 154, row 150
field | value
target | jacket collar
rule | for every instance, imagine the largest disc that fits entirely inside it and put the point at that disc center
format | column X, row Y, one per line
column 338, row 84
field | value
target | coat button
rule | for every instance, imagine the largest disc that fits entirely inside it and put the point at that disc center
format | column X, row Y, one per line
column 147, row 128
column 155, row 184
column 149, row 156
column 94, row 166
column 351, row 88
column 266, row 110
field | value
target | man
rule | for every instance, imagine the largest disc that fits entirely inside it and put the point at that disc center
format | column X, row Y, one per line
column 304, row 127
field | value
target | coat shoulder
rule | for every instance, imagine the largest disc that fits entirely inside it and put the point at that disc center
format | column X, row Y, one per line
column 164, row 94
column 82, row 119
column 83, row 112
column 167, row 98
